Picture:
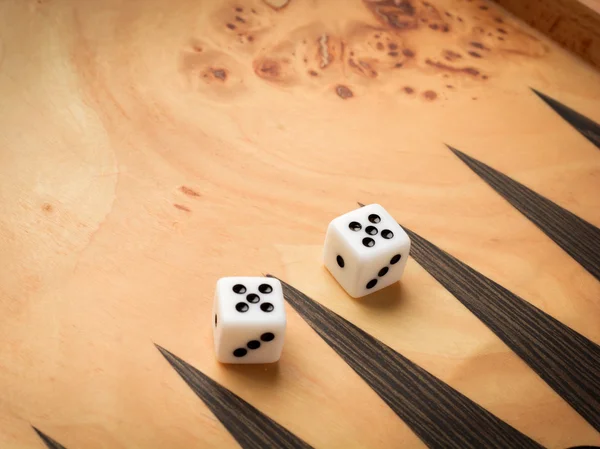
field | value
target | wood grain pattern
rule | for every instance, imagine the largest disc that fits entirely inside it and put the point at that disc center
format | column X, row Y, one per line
column 580, row 239
column 587, row 127
column 251, row 428
column 572, row 23
column 565, row 359
column 49, row 442
column 438, row 414
column 149, row 148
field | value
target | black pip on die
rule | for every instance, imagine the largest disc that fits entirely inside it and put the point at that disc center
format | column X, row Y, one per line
column 249, row 320
column 366, row 250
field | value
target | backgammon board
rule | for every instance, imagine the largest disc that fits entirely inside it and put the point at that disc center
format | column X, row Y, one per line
column 149, row 148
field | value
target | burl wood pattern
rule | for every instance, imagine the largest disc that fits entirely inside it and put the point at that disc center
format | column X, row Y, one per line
column 149, row 148
column 374, row 41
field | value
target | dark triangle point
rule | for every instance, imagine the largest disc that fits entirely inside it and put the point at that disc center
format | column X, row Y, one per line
column 539, row 94
column 439, row 415
column 49, row 442
column 459, row 154
column 586, row 126
column 577, row 237
column 455, row 151
column 251, row 428
column 566, row 360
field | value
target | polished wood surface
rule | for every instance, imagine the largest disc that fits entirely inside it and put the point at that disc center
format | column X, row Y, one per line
column 149, row 148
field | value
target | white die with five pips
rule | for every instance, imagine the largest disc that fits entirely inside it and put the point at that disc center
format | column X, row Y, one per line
column 366, row 250
column 249, row 320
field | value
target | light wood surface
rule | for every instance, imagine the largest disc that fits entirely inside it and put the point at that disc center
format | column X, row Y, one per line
column 575, row 24
column 147, row 149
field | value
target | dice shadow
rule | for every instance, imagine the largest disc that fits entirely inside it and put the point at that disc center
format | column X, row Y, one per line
column 387, row 298
column 255, row 373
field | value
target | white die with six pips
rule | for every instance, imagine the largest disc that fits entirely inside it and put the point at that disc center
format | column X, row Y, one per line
column 249, row 320
column 366, row 250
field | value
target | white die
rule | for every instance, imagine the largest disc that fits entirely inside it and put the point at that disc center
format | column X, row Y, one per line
column 249, row 320
column 366, row 250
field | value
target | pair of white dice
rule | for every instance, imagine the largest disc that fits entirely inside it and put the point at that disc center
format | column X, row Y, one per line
column 365, row 251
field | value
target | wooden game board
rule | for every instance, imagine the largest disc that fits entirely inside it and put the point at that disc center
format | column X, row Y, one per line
column 148, row 148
